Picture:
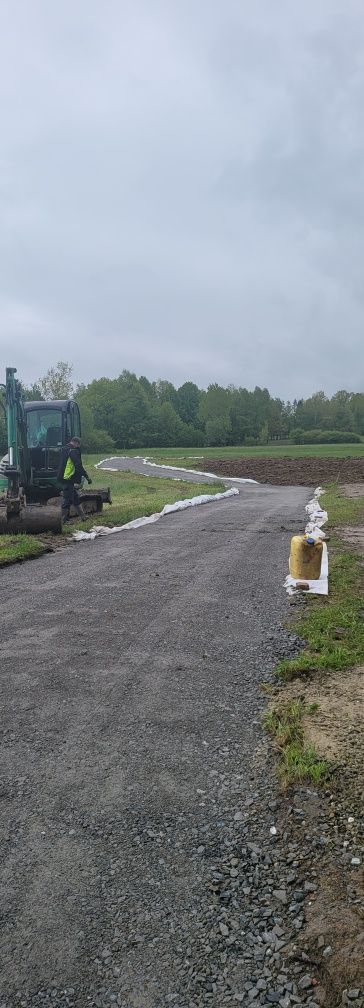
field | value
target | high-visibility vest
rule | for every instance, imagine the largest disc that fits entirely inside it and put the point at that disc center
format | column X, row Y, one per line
column 70, row 469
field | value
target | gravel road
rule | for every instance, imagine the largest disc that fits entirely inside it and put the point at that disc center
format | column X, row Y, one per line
column 123, row 463
column 138, row 806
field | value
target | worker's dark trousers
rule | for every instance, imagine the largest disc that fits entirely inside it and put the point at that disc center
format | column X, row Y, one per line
column 69, row 496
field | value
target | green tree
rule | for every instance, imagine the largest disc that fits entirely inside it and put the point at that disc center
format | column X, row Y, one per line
column 357, row 407
column 218, row 430
column 264, row 434
column 93, row 439
column 169, row 425
column 340, row 412
column 275, row 418
column 241, row 415
column 135, row 413
column 188, row 402
column 57, row 382
column 166, row 392
column 215, row 404
column 33, row 393
column 312, row 412
column 148, row 389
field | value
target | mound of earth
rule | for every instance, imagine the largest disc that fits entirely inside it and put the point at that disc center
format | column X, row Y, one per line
column 285, row 471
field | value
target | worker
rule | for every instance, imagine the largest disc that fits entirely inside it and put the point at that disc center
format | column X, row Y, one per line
column 72, row 472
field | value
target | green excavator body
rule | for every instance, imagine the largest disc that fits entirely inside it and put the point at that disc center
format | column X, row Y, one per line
column 38, row 434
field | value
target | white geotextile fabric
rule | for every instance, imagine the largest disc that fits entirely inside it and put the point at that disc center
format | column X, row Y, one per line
column 317, row 518
column 103, row 530
column 157, row 465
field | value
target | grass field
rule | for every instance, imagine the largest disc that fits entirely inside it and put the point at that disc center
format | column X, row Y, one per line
column 188, row 457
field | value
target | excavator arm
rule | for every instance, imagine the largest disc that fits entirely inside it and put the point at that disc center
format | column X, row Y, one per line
column 15, row 514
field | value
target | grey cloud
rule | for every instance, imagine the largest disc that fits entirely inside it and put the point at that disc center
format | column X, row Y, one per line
column 181, row 190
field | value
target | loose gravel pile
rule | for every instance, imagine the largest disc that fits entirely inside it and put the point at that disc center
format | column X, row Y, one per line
column 287, row 471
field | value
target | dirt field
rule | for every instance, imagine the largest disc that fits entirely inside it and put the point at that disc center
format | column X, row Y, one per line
column 289, row 471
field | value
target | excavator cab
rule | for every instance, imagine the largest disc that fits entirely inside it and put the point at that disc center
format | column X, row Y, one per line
column 49, row 429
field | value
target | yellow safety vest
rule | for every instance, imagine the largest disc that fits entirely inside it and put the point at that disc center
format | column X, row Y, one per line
column 69, row 470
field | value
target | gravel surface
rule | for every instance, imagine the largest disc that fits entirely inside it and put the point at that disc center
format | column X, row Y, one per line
column 136, row 465
column 147, row 857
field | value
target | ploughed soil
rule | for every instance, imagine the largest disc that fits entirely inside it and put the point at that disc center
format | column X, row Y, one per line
column 287, row 471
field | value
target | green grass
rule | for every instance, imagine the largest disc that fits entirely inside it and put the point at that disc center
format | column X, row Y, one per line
column 184, row 456
column 298, row 761
column 342, row 510
column 134, row 496
column 19, row 547
column 333, row 625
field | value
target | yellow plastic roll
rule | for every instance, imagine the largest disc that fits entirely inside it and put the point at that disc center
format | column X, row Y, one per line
column 305, row 558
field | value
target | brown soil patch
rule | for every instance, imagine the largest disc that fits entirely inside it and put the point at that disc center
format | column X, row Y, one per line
column 330, row 918
column 353, row 535
column 285, row 471
column 336, row 729
column 353, row 489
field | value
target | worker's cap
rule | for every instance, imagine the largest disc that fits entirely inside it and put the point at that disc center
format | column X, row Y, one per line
column 76, row 441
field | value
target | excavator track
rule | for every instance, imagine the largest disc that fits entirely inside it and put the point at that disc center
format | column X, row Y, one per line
column 92, row 500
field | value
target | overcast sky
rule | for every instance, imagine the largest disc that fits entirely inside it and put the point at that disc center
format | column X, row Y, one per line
column 182, row 190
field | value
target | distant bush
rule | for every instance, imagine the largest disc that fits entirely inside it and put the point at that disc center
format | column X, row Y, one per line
column 324, row 437
column 97, row 441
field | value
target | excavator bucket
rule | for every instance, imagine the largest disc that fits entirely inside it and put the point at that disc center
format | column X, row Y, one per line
column 33, row 519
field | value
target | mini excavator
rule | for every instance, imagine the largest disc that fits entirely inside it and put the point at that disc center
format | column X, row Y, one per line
column 37, row 435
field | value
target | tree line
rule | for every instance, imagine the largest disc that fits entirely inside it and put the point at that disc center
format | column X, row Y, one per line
column 128, row 412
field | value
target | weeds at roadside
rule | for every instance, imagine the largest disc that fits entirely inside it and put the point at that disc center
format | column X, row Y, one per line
column 15, row 548
column 333, row 626
column 342, row 510
column 298, row 762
